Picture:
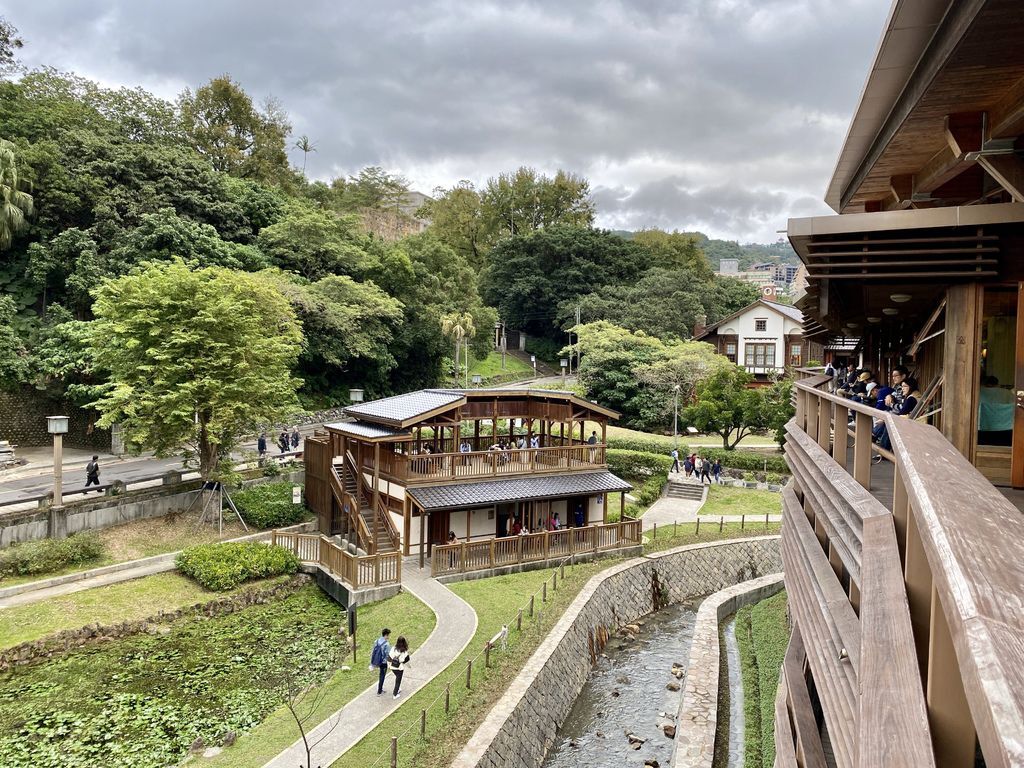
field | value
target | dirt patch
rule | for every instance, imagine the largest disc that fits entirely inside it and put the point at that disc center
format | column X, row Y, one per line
column 145, row 538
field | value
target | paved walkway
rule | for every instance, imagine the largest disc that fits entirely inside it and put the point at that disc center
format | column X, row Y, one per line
column 456, row 625
column 161, row 564
column 668, row 510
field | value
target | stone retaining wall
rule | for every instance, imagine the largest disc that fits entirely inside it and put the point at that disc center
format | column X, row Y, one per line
column 91, row 514
column 23, row 413
column 62, row 642
column 697, row 720
column 521, row 727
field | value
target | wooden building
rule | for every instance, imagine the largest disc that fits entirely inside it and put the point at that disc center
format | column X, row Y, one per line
column 405, row 471
column 905, row 578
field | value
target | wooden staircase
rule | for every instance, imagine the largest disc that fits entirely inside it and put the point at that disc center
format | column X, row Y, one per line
column 384, row 542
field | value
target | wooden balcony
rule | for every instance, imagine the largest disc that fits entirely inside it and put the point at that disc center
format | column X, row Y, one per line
column 425, row 468
column 904, row 581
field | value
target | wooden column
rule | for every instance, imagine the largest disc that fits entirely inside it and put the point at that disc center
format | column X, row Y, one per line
column 476, row 434
column 948, row 711
column 406, row 513
column 423, row 525
column 376, row 493
column 960, row 367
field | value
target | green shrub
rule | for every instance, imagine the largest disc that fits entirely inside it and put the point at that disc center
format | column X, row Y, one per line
column 49, row 555
column 748, row 460
column 220, row 567
column 638, row 465
column 269, row 505
column 646, row 445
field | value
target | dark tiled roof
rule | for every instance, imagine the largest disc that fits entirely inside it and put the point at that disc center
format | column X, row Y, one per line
column 367, row 430
column 402, row 408
column 515, row 489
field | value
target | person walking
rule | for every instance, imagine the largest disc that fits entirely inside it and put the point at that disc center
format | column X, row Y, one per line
column 92, row 475
column 398, row 658
column 675, row 460
column 261, row 445
column 379, row 657
column 698, row 467
column 716, row 470
column 688, row 466
column 296, row 438
column 705, row 472
column 282, row 441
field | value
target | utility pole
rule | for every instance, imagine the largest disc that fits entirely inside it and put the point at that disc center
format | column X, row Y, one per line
column 675, row 419
column 577, row 342
column 504, row 345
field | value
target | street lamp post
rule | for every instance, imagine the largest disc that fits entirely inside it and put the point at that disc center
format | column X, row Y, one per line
column 563, row 363
column 533, row 360
column 675, row 418
column 355, row 395
column 58, row 427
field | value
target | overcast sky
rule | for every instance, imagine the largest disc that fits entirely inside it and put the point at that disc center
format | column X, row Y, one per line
column 719, row 115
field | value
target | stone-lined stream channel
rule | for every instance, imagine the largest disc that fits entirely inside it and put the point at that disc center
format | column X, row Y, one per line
column 627, row 693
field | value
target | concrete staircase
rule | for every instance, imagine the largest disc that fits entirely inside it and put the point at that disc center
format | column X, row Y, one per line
column 680, row 489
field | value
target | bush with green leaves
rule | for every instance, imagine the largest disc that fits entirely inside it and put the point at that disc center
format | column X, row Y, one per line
column 646, row 445
column 648, row 471
column 747, row 460
column 220, row 567
column 49, row 555
column 269, row 505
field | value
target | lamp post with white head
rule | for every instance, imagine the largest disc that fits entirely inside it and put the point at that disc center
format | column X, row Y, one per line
column 58, row 427
column 675, row 418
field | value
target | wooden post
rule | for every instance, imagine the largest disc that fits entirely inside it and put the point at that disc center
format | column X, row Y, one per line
column 447, row 697
column 531, row 606
column 554, row 581
column 674, row 530
column 948, row 711
column 766, row 520
column 721, row 522
column 697, row 532
column 423, row 534
column 487, row 655
column 862, row 449
column 743, row 522
column 394, row 752
column 519, row 621
column 423, row 723
column 544, row 592
column 376, row 494
column 469, row 673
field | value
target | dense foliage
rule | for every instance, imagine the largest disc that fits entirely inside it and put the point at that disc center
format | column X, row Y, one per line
column 647, row 471
column 144, row 700
column 762, row 634
column 268, row 505
column 726, row 405
column 49, row 555
column 220, row 567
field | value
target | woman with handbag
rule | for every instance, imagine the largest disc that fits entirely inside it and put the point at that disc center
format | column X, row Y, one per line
column 397, row 660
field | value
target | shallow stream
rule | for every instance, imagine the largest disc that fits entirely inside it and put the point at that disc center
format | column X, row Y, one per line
column 626, row 693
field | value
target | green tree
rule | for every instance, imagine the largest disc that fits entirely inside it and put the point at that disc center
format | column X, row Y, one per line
column 17, row 204
column 305, row 146
column 195, row 358
column 728, row 406
column 223, row 124
column 523, row 201
column 9, row 43
column 456, row 219
column 676, row 251
column 458, row 326
column 315, row 243
column 373, row 187
column 14, row 356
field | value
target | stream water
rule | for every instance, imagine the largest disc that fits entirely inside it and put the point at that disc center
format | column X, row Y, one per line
column 626, row 693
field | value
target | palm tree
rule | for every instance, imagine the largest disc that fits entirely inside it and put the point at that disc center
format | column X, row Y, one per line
column 306, row 146
column 16, row 204
column 459, row 326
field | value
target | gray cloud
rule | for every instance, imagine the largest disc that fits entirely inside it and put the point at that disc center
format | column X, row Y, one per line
column 724, row 115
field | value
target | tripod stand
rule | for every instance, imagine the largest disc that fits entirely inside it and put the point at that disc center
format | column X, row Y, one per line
column 213, row 495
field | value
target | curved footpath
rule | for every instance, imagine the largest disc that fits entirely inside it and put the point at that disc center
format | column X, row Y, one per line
column 456, row 625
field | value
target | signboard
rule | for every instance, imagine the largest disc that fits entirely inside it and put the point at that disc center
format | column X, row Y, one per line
column 296, row 494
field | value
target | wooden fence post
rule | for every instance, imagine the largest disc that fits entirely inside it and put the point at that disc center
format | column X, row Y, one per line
column 531, row 606
column 469, row 672
column 423, row 722
column 654, row 534
column 519, row 621
column 721, row 522
column 447, row 697
column 743, row 522
column 394, row 752
column 554, row 581
column 544, row 592
column 487, row 655
column 697, row 532
column 766, row 520
column 674, row 529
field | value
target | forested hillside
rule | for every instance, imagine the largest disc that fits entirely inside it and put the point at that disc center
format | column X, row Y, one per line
column 98, row 182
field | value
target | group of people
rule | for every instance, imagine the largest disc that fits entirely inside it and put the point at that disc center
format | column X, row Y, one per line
column 386, row 657
column 900, row 396
column 285, row 441
column 698, row 467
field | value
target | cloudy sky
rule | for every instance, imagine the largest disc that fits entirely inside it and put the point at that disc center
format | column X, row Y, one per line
column 719, row 115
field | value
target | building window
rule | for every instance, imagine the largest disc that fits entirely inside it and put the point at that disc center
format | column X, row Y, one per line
column 794, row 354
column 730, row 351
column 759, row 355
column 760, row 324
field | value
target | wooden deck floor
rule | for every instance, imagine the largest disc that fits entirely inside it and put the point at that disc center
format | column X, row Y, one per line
column 882, row 484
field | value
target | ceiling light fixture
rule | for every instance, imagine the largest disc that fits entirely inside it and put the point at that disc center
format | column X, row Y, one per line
column 874, row 319
column 890, row 311
column 901, row 298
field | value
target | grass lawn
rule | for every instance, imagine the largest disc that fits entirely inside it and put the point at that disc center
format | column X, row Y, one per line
column 692, row 441
column 145, row 538
column 762, row 633
column 728, row 500
column 496, row 601
column 127, row 601
column 278, row 730
column 669, row 536
column 491, row 366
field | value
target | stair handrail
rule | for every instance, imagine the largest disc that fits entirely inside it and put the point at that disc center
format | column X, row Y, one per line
column 380, row 514
column 388, row 524
column 356, row 522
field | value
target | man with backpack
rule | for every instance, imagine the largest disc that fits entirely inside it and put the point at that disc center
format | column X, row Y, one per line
column 379, row 657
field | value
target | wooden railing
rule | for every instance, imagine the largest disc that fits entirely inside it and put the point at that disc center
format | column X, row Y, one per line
column 426, row 467
column 904, row 582
column 387, row 524
column 356, row 571
column 510, row 550
column 349, row 506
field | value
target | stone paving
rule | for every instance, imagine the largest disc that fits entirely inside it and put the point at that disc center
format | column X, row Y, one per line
column 456, row 625
column 668, row 510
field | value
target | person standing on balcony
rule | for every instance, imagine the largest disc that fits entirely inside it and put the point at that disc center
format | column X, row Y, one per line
column 535, row 441
column 464, row 449
column 592, row 441
column 579, row 515
column 521, row 445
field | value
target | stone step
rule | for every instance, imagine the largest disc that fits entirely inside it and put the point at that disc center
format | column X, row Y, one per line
column 684, row 491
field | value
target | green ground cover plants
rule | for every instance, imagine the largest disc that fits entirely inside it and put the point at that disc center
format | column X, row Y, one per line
column 143, row 700
column 127, row 601
column 490, row 367
column 224, row 566
column 669, row 536
column 34, row 558
column 269, row 505
column 404, row 614
column 729, row 500
column 762, row 633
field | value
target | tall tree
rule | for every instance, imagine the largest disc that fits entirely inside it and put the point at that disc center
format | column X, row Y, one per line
column 223, row 124
column 10, row 42
column 456, row 220
column 195, row 359
column 523, row 201
column 16, row 203
column 727, row 406
column 459, row 326
column 305, row 146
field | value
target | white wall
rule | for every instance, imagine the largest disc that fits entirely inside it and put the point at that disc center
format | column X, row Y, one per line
column 777, row 327
column 595, row 509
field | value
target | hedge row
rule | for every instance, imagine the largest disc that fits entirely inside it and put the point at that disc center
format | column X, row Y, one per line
column 220, row 567
column 269, row 505
column 647, row 471
column 736, row 459
column 49, row 555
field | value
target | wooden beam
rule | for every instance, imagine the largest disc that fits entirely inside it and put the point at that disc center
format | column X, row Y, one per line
column 902, row 189
column 1008, row 171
